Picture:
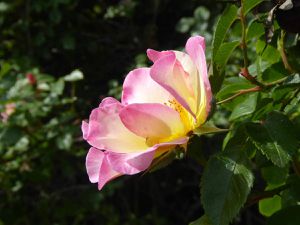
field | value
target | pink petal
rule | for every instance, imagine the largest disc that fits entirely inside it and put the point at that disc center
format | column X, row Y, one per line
column 154, row 55
column 93, row 164
column 106, row 173
column 168, row 72
column 108, row 101
column 152, row 120
column 106, row 131
column 137, row 162
column 139, row 87
column 98, row 168
column 195, row 47
column 130, row 163
column 84, row 129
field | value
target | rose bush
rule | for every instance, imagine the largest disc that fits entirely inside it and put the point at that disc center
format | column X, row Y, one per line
column 160, row 108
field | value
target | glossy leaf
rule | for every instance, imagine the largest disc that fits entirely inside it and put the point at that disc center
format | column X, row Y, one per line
column 269, row 206
column 250, row 4
column 264, row 142
column 203, row 220
column 224, row 23
column 208, row 129
column 274, row 176
column 232, row 86
column 283, row 131
column 224, row 195
column 246, row 107
column 224, row 53
column 276, row 138
column 255, row 30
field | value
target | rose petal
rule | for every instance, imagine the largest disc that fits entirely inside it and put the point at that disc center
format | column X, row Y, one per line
column 98, row 168
column 154, row 55
column 139, row 87
column 169, row 73
column 93, row 164
column 106, row 172
column 106, row 131
column 155, row 121
column 84, row 129
column 106, row 102
column 133, row 163
column 195, row 47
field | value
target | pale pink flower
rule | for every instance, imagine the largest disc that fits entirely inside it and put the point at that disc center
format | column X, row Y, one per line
column 10, row 108
column 160, row 107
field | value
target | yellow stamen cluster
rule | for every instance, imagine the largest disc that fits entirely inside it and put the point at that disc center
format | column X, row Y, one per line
column 185, row 116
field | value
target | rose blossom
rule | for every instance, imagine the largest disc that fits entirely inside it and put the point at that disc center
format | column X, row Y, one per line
column 10, row 108
column 160, row 107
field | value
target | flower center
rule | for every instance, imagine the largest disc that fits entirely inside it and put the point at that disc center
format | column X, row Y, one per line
column 185, row 116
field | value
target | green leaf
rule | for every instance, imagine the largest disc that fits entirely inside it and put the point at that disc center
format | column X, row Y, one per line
column 5, row 68
column 276, row 138
column 65, row 141
column 10, row 135
column 246, row 107
column 224, row 23
column 223, row 55
column 292, row 81
column 208, row 129
column 75, row 75
column 269, row 206
column 286, row 216
column 283, row 131
column 231, row 86
column 255, row 30
column 225, row 185
column 263, row 107
column 270, row 54
column 203, row 220
column 274, row 176
column 250, row 4
column 185, row 24
column 201, row 14
column 274, row 72
column 58, row 87
column 269, row 147
column 220, row 62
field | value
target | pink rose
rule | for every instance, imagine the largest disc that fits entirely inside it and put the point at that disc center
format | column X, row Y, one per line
column 10, row 108
column 160, row 107
column 31, row 78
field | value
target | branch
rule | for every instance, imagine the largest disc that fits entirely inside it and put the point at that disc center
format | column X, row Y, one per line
column 244, row 72
column 241, row 92
column 254, row 89
column 256, row 197
column 281, row 49
column 296, row 166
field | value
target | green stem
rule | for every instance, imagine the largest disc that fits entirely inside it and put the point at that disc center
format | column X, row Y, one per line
column 281, row 49
column 244, row 33
column 245, row 73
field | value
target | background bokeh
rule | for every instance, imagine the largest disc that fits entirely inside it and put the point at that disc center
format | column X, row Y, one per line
column 46, row 48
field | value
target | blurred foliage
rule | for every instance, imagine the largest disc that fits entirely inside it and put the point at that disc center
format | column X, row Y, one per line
column 255, row 165
column 42, row 102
